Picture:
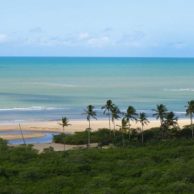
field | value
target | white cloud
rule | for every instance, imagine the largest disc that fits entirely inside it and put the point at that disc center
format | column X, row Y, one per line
column 37, row 37
column 44, row 41
column 83, row 36
column 92, row 40
column 3, row 38
column 99, row 41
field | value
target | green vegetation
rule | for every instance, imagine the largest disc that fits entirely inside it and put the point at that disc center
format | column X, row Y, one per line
column 168, row 125
column 157, row 167
column 189, row 112
column 108, row 110
column 64, row 123
column 168, row 128
column 159, row 160
column 144, row 121
column 102, row 137
column 121, row 138
column 115, row 115
column 90, row 113
column 130, row 115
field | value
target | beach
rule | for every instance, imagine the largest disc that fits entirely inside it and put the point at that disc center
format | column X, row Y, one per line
column 76, row 125
column 38, row 92
column 17, row 136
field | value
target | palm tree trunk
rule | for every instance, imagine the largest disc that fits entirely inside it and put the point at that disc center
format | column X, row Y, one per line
column 129, row 130
column 191, row 117
column 161, row 128
column 109, row 122
column 22, row 135
column 142, row 138
column 123, row 138
column 109, row 118
column 64, row 137
column 114, row 127
column 88, row 145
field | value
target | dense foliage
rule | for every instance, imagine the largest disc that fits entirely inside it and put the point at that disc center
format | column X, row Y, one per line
column 158, row 167
column 101, row 136
column 105, row 136
column 158, row 161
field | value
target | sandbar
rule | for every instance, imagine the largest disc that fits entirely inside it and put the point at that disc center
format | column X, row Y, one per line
column 76, row 125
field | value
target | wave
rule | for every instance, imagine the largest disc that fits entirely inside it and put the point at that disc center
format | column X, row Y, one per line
column 33, row 108
column 55, row 84
column 179, row 90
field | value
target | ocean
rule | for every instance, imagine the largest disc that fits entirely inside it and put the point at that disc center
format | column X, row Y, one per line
column 47, row 88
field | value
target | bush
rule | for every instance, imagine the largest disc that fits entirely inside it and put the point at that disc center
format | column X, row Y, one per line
column 102, row 137
column 3, row 145
column 157, row 167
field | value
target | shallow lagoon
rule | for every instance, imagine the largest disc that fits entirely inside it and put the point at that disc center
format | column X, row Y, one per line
column 47, row 138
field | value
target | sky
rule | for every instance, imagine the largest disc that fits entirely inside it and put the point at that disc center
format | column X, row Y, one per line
column 131, row 28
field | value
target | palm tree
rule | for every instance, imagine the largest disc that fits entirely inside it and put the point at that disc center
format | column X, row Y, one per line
column 115, row 112
column 107, row 110
column 189, row 112
column 123, row 128
column 160, row 113
column 170, row 120
column 90, row 113
column 144, row 121
column 130, row 115
column 64, row 123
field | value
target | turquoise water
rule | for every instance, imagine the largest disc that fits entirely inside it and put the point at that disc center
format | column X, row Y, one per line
column 48, row 88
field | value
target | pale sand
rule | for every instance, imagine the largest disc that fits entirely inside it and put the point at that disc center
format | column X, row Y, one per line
column 58, row 146
column 76, row 125
column 18, row 136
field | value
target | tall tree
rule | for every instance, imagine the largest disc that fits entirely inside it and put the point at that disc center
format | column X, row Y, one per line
column 64, row 123
column 90, row 113
column 123, row 127
column 115, row 114
column 144, row 121
column 107, row 110
column 160, row 113
column 130, row 115
column 170, row 120
column 189, row 112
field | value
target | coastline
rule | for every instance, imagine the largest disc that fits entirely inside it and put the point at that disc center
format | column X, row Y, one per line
column 18, row 136
column 76, row 125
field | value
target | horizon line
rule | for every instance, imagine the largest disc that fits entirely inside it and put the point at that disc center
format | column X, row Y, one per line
column 61, row 56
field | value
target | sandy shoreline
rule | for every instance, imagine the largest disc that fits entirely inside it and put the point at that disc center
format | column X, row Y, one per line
column 58, row 146
column 76, row 125
column 18, row 136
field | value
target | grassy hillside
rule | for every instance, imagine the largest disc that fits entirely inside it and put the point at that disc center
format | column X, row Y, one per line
column 164, row 167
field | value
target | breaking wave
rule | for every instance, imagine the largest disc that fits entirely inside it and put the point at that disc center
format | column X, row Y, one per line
column 180, row 90
column 33, row 108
